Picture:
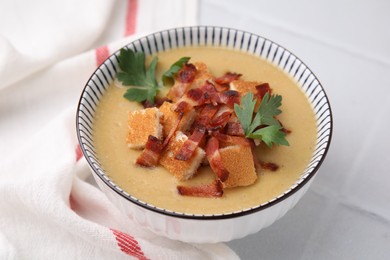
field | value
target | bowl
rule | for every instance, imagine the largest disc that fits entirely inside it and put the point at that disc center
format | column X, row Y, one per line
column 206, row 228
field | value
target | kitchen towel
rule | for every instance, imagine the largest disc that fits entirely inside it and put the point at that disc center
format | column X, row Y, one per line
column 48, row 208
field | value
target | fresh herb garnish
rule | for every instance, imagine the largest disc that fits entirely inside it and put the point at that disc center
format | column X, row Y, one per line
column 143, row 81
column 270, row 131
column 167, row 77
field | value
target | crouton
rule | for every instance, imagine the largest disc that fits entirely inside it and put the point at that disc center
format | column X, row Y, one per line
column 143, row 123
column 170, row 118
column 182, row 170
column 238, row 161
column 244, row 87
column 202, row 75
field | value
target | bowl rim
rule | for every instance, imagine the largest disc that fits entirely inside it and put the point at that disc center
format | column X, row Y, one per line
column 292, row 189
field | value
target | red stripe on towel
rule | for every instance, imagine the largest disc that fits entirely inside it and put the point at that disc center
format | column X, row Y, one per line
column 131, row 17
column 102, row 54
column 128, row 245
column 79, row 153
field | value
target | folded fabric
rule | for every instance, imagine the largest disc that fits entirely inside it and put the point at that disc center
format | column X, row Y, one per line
column 49, row 212
column 47, row 208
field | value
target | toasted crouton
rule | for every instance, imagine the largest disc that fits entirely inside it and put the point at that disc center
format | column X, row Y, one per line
column 170, row 118
column 182, row 170
column 203, row 74
column 244, row 87
column 238, row 161
column 143, row 123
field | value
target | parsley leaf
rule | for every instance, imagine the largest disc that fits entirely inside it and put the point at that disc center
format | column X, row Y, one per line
column 245, row 112
column 135, row 74
column 167, row 77
column 269, row 108
column 140, row 94
column 271, row 132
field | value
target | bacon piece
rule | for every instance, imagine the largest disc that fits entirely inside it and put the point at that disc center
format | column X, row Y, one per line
column 187, row 73
column 220, row 119
column 215, row 160
column 269, row 166
column 205, row 116
column 190, row 145
column 229, row 98
column 211, row 94
column 231, row 139
column 202, row 120
column 214, row 189
column 193, row 97
column 206, row 94
column 154, row 147
column 182, row 106
column 262, row 89
column 227, row 78
column 150, row 155
column 184, row 79
column 173, row 130
column 234, row 128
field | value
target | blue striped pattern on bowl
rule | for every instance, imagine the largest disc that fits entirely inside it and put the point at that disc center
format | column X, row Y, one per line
column 207, row 36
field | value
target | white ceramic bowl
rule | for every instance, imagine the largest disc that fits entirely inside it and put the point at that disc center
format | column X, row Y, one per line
column 193, row 227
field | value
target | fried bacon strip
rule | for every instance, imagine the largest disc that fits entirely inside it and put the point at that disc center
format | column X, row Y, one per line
column 190, row 145
column 214, row 189
column 215, row 160
column 187, row 73
column 200, row 124
column 269, row 166
column 227, row 78
column 231, row 139
column 229, row 98
column 173, row 130
column 205, row 116
column 262, row 89
column 193, row 97
column 185, row 77
column 154, row 147
column 222, row 117
column 206, row 94
column 234, row 128
column 151, row 154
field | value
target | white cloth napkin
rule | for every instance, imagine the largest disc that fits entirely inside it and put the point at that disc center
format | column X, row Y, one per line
column 48, row 49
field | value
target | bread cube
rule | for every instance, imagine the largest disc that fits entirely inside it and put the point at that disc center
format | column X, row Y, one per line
column 170, row 119
column 182, row 170
column 143, row 123
column 238, row 161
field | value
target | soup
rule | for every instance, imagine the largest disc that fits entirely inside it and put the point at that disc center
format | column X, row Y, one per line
column 158, row 187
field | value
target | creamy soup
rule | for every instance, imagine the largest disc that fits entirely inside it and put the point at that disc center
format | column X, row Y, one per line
column 158, row 187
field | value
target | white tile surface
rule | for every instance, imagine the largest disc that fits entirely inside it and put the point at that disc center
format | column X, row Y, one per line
column 346, row 213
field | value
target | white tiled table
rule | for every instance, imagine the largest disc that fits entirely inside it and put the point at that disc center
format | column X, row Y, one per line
column 346, row 212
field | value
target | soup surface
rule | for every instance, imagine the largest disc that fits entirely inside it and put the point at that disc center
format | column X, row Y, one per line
column 158, row 187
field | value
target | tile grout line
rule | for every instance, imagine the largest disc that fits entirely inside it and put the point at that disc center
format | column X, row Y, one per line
column 296, row 32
